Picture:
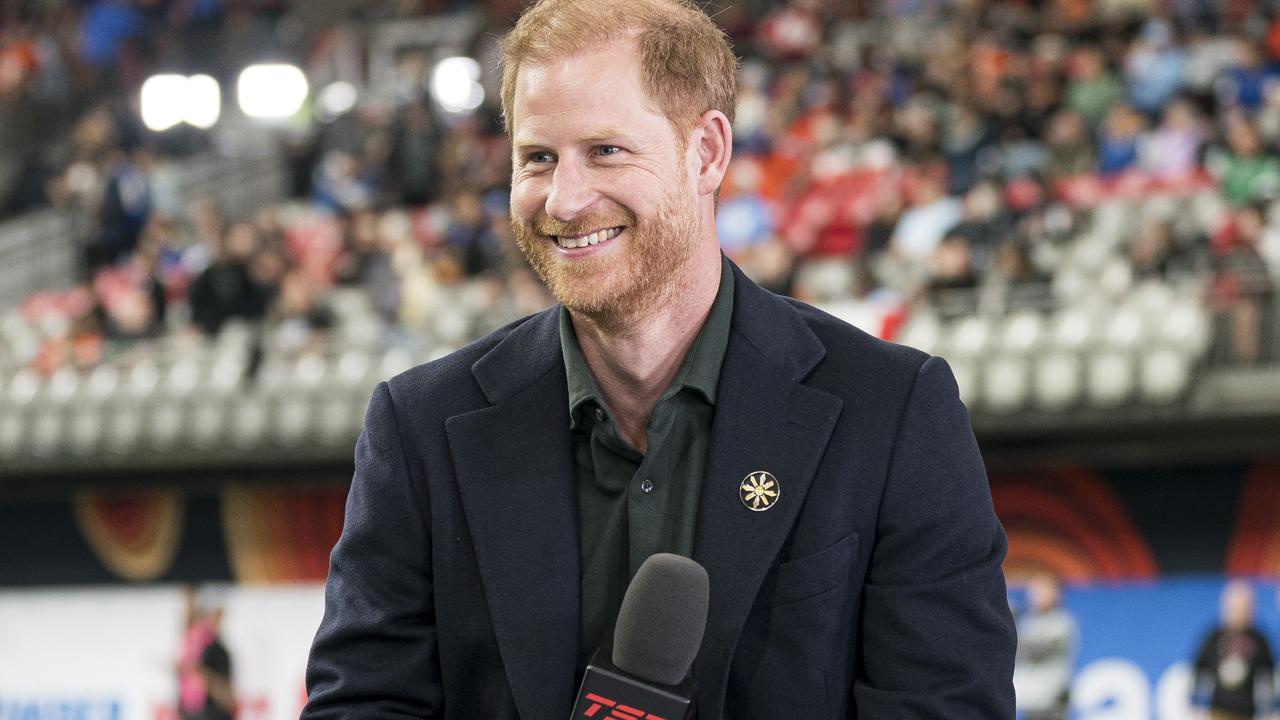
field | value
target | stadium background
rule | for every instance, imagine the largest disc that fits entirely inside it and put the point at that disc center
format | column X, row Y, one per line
column 1074, row 202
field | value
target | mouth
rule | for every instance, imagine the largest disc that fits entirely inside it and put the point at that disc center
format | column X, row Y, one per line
column 594, row 237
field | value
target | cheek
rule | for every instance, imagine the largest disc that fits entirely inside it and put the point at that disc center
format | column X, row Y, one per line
column 527, row 198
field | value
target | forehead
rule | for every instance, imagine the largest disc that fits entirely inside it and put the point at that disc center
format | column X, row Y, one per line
column 584, row 94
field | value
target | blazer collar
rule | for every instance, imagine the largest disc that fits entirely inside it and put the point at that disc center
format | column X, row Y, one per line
column 527, row 353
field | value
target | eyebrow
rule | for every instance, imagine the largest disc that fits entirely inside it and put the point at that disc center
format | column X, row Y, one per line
column 606, row 135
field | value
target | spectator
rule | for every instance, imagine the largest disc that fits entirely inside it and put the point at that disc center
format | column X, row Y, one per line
column 126, row 204
column 951, row 276
column 1155, row 67
column 1248, row 172
column 215, row 670
column 417, row 145
column 1047, row 642
column 1093, row 88
column 1118, row 140
column 1234, row 665
column 1244, row 84
column 1243, row 289
column 1022, row 285
column 201, row 626
column 1172, row 151
column 1070, row 151
column 923, row 226
column 470, row 236
column 299, row 322
column 1152, row 253
column 225, row 289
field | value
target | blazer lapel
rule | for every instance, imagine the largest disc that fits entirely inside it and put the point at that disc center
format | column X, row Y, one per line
column 766, row 420
column 515, row 478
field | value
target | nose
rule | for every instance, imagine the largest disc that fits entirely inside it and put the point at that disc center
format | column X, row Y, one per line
column 571, row 191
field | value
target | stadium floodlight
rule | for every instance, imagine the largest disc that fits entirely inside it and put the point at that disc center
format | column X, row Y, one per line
column 163, row 101
column 455, row 84
column 167, row 100
column 204, row 101
column 272, row 91
column 335, row 100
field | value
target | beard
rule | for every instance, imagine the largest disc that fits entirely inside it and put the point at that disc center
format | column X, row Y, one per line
column 613, row 289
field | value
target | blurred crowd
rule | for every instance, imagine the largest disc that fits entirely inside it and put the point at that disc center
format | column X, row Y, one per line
column 901, row 154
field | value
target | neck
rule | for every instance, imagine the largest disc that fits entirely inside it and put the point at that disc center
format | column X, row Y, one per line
column 634, row 361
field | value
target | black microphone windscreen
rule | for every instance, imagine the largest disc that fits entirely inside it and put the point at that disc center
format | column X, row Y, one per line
column 662, row 618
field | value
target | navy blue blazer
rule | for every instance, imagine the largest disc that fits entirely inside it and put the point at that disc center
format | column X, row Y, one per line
column 871, row 589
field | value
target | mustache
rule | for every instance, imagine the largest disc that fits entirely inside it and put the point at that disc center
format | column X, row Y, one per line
column 546, row 225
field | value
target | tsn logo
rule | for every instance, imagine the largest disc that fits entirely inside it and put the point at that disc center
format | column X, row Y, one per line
column 615, row 710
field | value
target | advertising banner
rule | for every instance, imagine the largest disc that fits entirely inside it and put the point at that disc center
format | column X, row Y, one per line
column 111, row 654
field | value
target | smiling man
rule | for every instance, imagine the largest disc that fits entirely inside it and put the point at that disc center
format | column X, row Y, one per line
column 505, row 495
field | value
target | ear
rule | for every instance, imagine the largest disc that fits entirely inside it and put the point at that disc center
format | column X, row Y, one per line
column 712, row 142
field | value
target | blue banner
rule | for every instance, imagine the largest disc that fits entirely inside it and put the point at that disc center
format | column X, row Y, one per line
column 1138, row 641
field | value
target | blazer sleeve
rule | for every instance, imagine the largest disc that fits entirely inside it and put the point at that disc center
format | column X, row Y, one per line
column 375, row 654
column 938, row 637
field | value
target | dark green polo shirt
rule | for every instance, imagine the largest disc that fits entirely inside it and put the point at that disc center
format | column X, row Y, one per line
column 632, row 505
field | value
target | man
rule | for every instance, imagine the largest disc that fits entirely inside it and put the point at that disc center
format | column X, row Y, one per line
column 828, row 482
column 1047, row 638
column 1234, row 667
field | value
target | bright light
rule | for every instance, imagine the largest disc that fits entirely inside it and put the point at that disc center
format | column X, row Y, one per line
column 335, row 99
column 164, row 100
column 274, row 91
column 455, row 84
column 204, row 101
column 168, row 100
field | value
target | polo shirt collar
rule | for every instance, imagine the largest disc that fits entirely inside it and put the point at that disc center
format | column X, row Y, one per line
column 699, row 371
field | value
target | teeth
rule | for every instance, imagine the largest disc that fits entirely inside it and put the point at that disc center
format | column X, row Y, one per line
column 594, row 238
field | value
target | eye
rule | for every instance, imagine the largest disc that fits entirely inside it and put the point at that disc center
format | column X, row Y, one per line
column 539, row 157
column 607, row 150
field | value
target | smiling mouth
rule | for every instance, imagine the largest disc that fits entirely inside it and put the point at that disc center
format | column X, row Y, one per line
column 592, row 238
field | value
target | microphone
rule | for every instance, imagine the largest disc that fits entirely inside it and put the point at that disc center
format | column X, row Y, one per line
column 659, row 630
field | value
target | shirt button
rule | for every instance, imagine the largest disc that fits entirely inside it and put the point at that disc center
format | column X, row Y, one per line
column 646, row 486
column 599, row 415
